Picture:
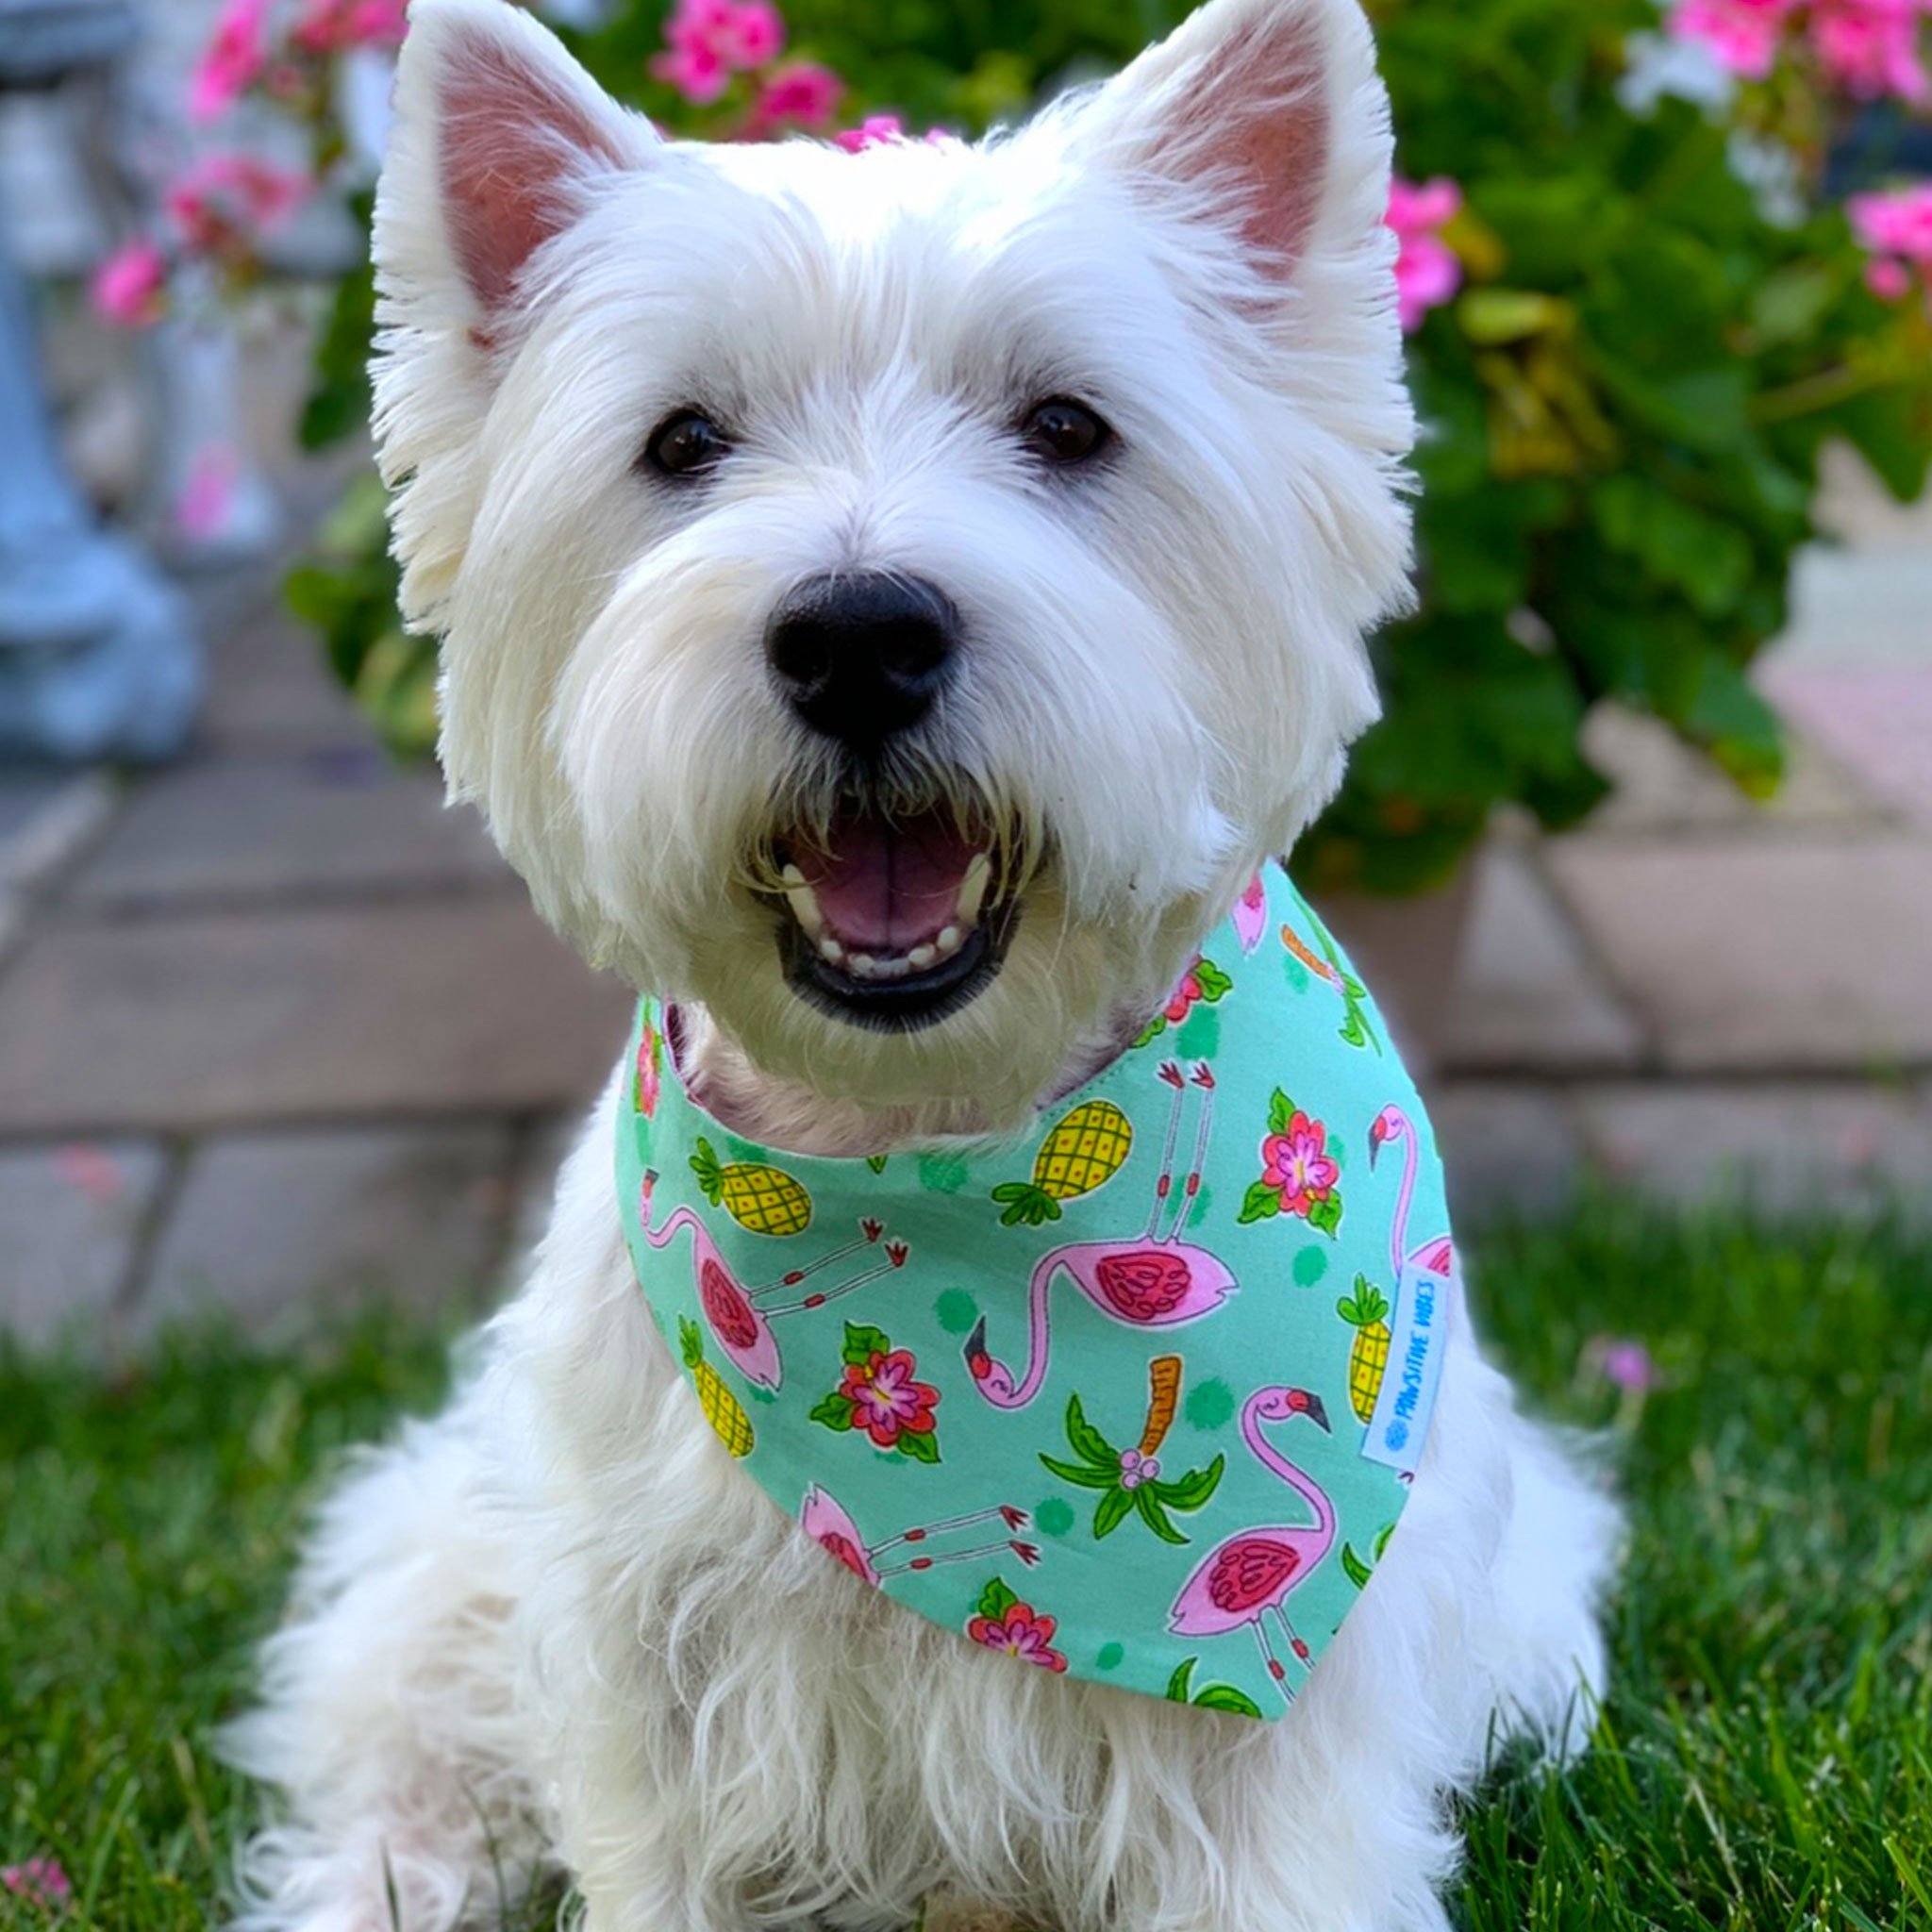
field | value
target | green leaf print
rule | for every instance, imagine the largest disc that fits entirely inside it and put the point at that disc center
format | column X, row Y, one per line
column 1326, row 1214
column 1192, row 1490
column 862, row 1342
column 920, row 1447
column 1226, row 1697
column 1112, row 1512
column 995, row 1599
column 1081, row 1475
column 1280, row 1111
column 835, row 1411
column 1147, row 1501
column 1260, row 1202
column 1088, row 1444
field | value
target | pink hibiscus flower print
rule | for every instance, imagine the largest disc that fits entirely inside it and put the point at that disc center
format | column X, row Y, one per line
column 1299, row 1176
column 886, row 1396
column 1202, row 984
column 1004, row 1622
column 881, row 1396
column 649, row 1080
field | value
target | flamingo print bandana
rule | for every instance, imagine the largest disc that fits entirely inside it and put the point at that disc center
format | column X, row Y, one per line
column 1136, row 1395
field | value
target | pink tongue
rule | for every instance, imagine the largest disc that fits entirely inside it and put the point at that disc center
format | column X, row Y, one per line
column 886, row 886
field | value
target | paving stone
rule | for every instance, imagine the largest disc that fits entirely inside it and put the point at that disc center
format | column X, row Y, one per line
column 1877, row 718
column 1800, row 1147
column 1663, row 786
column 45, row 820
column 271, row 1229
column 1508, row 1148
column 1741, row 955
column 70, row 1217
column 239, row 829
column 269, row 687
column 225, row 1018
column 1860, row 604
column 1526, row 994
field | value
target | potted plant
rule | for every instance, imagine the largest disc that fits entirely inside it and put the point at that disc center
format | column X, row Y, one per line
column 1636, row 321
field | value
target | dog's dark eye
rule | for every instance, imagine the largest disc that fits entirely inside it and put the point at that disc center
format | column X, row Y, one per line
column 685, row 443
column 1063, row 431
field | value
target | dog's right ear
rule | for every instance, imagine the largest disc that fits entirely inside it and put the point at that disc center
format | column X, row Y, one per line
column 498, row 138
column 497, row 132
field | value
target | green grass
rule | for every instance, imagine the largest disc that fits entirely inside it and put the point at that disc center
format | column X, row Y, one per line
column 1764, row 1761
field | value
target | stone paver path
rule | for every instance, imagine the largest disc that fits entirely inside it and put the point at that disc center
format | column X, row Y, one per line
column 276, row 1030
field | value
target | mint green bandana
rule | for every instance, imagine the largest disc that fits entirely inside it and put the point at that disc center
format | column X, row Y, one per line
column 1136, row 1395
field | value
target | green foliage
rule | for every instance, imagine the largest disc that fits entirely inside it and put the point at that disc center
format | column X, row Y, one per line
column 1760, row 1763
column 1622, row 412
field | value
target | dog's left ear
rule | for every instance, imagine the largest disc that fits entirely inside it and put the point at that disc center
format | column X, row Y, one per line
column 1267, row 114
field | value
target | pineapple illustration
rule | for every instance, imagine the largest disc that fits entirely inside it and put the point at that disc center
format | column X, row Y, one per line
column 761, row 1199
column 722, row 1408
column 1367, row 1311
column 1089, row 1147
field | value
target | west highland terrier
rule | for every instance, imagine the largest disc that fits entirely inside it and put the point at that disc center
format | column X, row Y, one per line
column 893, row 607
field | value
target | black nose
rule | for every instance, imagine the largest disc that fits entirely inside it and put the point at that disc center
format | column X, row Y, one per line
column 861, row 658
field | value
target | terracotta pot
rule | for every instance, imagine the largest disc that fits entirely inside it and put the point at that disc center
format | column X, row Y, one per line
column 1409, row 952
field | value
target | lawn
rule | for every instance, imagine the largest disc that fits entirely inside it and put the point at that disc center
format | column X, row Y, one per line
column 1764, row 1762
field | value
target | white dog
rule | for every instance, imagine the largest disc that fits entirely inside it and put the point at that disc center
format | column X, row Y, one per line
column 1037, row 493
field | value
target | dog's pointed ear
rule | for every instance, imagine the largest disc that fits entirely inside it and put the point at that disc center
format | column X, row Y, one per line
column 1260, row 109
column 497, row 133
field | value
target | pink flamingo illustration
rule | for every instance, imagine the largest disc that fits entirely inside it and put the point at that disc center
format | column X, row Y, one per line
column 739, row 1317
column 829, row 1523
column 1252, row 1572
column 1150, row 1281
column 1436, row 1257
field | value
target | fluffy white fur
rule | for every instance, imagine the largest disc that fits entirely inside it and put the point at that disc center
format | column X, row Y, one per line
column 556, row 1627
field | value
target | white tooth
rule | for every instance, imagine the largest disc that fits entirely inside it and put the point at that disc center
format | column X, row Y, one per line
column 791, row 876
column 973, row 890
column 919, row 957
column 831, row 950
column 862, row 965
column 948, row 941
column 892, row 968
column 804, row 908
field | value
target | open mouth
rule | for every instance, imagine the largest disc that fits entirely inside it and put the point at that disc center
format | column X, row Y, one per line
column 891, row 922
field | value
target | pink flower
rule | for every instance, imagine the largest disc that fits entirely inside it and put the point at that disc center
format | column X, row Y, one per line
column 128, row 287
column 1020, row 1633
column 90, row 1171
column 1296, row 1164
column 207, row 491
column 328, row 26
column 698, row 72
column 1889, row 280
column 706, row 41
column 754, row 35
column 1895, row 224
column 223, row 198
column 41, row 1881
column 232, row 60
column 1426, row 270
column 1623, row 1363
column 802, row 95
column 1742, row 34
column 885, row 1398
column 876, row 130
column 1870, row 47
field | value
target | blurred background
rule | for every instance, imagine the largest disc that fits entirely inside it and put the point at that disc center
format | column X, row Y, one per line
column 1641, row 858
